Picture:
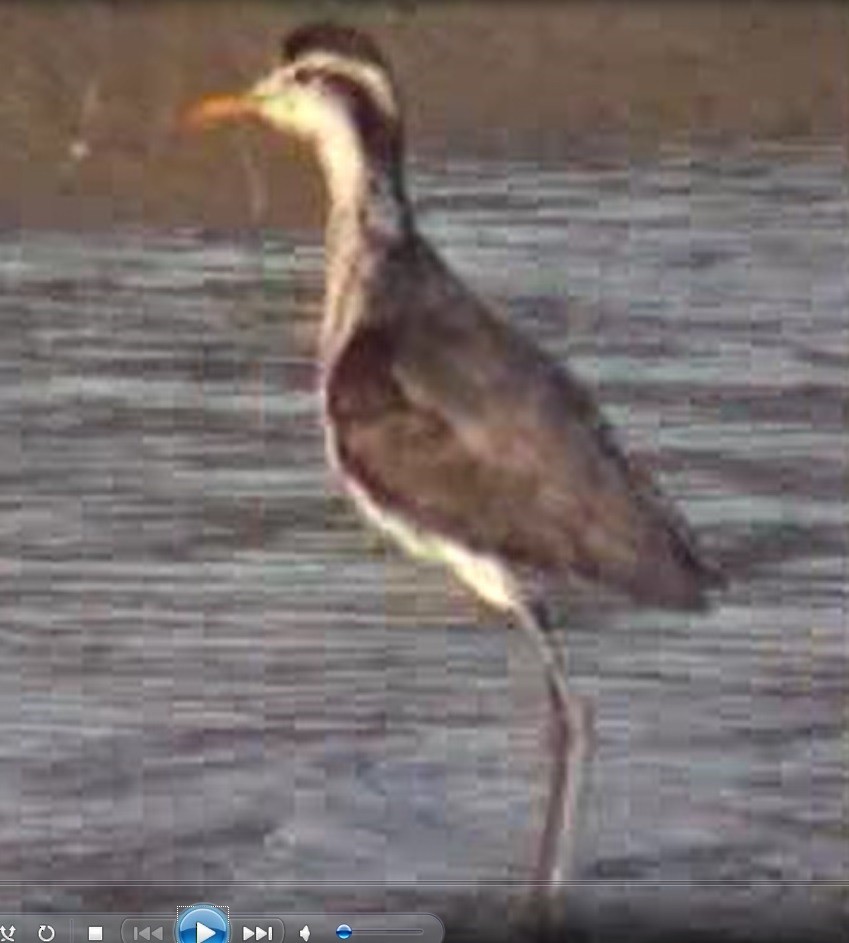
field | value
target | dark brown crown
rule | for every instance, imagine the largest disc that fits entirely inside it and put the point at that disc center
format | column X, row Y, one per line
column 332, row 38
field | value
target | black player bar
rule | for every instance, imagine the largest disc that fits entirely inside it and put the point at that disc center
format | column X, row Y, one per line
column 250, row 928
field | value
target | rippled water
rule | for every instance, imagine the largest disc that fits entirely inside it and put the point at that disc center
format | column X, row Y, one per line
column 210, row 672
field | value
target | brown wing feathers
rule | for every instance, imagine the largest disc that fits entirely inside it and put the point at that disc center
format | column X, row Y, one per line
column 508, row 477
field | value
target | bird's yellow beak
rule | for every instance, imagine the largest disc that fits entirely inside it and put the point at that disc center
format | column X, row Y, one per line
column 218, row 108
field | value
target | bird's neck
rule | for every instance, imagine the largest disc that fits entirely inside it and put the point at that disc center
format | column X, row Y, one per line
column 368, row 202
column 369, row 214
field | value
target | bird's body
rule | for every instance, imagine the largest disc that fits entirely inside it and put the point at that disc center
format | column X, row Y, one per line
column 448, row 420
column 452, row 431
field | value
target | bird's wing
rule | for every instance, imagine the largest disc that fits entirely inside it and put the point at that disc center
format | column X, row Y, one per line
column 468, row 430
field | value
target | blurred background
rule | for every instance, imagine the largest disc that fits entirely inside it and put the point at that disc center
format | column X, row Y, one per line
column 93, row 91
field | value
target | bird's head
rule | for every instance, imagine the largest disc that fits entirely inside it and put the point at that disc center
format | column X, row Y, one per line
column 332, row 87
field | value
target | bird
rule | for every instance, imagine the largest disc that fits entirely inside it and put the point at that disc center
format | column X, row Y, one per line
column 452, row 431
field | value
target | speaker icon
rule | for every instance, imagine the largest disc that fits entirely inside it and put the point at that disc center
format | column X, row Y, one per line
column 305, row 933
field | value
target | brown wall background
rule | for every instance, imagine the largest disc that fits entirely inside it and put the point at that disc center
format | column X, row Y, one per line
column 91, row 92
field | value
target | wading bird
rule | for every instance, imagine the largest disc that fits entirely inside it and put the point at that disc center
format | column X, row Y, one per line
column 452, row 432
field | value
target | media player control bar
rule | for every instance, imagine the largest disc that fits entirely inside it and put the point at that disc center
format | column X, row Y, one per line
column 244, row 928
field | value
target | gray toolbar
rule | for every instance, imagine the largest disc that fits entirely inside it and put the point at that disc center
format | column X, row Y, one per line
column 250, row 928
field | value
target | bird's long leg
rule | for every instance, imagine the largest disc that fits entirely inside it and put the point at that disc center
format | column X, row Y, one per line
column 568, row 747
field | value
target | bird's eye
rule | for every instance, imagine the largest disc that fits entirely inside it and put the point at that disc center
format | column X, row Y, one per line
column 304, row 75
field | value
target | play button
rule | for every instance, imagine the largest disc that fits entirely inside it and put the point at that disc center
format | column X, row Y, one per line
column 202, row 923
